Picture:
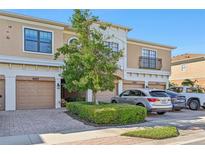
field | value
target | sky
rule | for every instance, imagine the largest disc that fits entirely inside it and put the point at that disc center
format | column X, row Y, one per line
column 184, row 29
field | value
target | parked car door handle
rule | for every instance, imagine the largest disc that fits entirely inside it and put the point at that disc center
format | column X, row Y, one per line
column 0, row 96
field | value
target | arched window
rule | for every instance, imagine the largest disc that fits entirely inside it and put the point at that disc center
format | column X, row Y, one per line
column 72, row 39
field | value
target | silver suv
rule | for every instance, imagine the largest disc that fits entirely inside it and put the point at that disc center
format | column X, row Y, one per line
column 152, row 99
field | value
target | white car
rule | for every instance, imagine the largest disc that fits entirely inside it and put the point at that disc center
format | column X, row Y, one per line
column 194, row 100
column 152, row 99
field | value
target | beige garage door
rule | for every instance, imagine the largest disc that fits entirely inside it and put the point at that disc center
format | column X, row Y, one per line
column 35, row 93
column 2, row 93
column 132, row 85
column 157, row 86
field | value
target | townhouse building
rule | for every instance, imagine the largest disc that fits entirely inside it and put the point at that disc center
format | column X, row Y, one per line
column 30, row 77
column 188, row 66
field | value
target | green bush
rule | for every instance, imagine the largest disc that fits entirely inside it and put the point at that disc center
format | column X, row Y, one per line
column 107, row 113
column 154, row 133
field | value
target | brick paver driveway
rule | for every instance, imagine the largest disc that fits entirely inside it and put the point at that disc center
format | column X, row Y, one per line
column 24, row 122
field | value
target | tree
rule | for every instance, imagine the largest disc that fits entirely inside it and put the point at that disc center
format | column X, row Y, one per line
column 172, row 84
column 194, row 84
column 188, row 82
column 89, row 63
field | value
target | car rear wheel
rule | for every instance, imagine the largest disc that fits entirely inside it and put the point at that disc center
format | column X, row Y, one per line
column 113, row 101
column 161, row 113
column 194, row 104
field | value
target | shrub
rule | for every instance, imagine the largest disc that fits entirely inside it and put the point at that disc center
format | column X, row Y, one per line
column 154, row 133
column 107, row 113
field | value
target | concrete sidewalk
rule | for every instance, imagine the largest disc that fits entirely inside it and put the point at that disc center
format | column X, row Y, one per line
column 103, row 136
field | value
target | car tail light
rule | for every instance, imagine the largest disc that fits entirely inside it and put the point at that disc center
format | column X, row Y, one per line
column 153, row 100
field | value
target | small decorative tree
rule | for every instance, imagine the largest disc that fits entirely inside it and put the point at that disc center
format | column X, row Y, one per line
column 188, row 82
column 89, row 63
column 196, row 87
column 172, row 84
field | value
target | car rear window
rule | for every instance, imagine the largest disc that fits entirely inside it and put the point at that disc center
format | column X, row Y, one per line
column 158, row 94
column 172, row 94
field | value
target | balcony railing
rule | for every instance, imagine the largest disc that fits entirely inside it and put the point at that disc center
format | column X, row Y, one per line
column 150, row 63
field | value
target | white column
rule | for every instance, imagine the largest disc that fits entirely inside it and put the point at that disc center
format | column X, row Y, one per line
column 120, row 87
column 10, row 93
column 146, row 84
column 167, row 85
column 58, row 92
column 89, row 95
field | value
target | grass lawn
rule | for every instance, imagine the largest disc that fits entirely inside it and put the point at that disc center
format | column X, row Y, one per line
column 154, row 132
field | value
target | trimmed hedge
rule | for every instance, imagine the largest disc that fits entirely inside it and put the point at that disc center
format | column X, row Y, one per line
column 154, row 132
column 107, row 113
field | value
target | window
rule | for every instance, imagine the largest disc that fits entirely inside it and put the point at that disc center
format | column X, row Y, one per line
column 125, row 93
column 192, row 90
column 176, row 89
column 136, row 93
column 149, row 58
column 158, row 94
column 183, row 67
column 72, row 39
column 37, row 41
column 172, row 94
column 112, row 45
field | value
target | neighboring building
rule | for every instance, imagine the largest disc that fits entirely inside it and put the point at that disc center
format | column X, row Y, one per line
column 188, row 66
column 29, row 75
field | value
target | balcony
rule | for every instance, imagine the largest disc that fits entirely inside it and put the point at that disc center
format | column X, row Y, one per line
column 150, row 63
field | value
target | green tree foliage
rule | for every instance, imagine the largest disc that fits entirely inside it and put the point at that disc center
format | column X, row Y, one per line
column 89, row 63
column 188, row 82
column 194, row 84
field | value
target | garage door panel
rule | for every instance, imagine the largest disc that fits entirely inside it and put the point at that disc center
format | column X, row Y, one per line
column 35, row 94
column 132, row 86
column 157, row 85
column 2, row 93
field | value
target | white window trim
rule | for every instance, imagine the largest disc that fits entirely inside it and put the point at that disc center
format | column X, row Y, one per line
column 149, row 49
column 73, row 37
column 184, row 66
column 38, row 53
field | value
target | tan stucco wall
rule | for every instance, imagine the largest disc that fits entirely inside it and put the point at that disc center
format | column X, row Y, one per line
column 66, row 36
column 134, row 51
column 194, row 71
column 14, row 45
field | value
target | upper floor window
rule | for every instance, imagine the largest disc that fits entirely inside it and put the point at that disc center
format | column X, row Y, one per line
column 149, row 53
column 112, row 45
column 148, row 59
column 183, row 67
column 37, row 41
column 72, row 39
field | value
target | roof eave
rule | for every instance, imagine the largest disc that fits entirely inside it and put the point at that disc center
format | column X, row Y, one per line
column 152, row 43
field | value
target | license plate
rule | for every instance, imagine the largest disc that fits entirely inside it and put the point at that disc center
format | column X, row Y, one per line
column 164, row 102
